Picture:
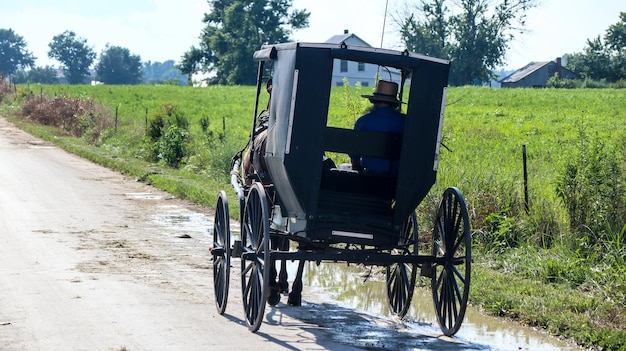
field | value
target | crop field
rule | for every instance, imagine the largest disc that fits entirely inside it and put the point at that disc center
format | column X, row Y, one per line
column 484, row 132
column 568, row 232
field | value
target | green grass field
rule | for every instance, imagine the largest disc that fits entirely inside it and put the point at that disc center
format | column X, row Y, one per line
column 568, row 247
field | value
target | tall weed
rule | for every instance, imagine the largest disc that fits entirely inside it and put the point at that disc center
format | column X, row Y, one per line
column 5, row 87
column 77, row 116
column 591, row 186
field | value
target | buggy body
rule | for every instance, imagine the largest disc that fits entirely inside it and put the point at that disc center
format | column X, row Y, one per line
column 339, row 206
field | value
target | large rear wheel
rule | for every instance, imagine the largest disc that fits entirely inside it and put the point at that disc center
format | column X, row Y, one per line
column 221, row 252
column 255, row 259
column 452, row 248
column 401, row 277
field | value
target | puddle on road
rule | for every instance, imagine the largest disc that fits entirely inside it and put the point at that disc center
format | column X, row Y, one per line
column 143, row 196
column 182, row 219
column 355, row 287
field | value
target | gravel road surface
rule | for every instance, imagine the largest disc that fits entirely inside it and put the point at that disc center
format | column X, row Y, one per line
column 85, row 266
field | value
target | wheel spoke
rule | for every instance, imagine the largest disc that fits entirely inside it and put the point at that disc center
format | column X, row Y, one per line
column 443, row 297
column 460, row 241
column 448, row 301
column 401, row 284
column 456, row 290
column 458, row 274
column 246, row 289
column 247, row 268
column 453, row 301
column 439, row 280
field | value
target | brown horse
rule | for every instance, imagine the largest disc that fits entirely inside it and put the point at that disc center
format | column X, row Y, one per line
column 253, row 163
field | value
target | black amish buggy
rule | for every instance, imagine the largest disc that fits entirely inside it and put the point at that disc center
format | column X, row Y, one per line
column 303, row 211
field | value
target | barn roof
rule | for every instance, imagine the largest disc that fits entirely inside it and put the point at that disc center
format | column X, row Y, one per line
column 523, row 72
column 340, row 38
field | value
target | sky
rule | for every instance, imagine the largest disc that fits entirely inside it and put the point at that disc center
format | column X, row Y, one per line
column 161, row 30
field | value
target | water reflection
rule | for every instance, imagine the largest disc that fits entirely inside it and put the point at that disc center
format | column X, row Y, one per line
column 364, row 289
column 182, row 219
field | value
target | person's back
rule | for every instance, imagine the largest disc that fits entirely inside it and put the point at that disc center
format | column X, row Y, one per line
column 383, row 117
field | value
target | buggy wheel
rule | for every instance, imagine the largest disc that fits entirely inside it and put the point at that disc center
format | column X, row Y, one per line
column 255, row 259
column 452, row 248
column 401, row 277
column 221, row 244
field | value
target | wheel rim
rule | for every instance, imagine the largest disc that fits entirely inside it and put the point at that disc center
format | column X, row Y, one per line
column 221, row 263
column 452, row 246
column 401, row 277
column 254, row 270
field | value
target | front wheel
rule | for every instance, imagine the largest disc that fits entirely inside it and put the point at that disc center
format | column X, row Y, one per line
column 452, row 250
column 255, row 259
column 221, row 252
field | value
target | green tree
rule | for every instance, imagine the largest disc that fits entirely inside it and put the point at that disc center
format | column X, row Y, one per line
column 593, row 63
column 41, row 75
column 475, row 38
column 118, row 66
column 162, row 72
column 13, row 53
column 191, row 62
column 603, row 59
column 234, row 30
column 74, row 55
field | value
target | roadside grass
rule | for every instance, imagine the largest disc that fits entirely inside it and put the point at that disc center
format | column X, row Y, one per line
column 530, row 264
column 588, row 319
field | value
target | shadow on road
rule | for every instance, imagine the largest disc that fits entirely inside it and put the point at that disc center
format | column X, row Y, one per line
column 356, row 329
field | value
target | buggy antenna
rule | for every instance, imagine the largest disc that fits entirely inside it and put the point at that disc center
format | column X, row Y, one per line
column 382, row 35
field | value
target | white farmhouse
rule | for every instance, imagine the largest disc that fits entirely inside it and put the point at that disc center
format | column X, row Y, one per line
column 364, row 73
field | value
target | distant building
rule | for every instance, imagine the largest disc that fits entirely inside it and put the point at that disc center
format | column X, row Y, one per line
column 364, row 73
column 89, row 79
column 536, row 75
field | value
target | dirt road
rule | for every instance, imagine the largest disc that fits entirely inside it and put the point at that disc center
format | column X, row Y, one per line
column 84, row 265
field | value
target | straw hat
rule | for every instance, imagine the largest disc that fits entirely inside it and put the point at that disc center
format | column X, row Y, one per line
column 386, row 92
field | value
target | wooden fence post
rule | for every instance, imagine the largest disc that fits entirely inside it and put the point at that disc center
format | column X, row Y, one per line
column 526, row 204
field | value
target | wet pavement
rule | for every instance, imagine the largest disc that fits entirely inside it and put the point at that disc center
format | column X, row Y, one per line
column 419, row 329
column 351, row 306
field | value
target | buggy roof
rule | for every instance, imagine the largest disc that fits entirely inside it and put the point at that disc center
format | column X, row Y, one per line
column 302, row 81
column 386, row 57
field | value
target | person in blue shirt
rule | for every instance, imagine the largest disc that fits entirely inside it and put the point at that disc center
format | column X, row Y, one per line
column 383, row 116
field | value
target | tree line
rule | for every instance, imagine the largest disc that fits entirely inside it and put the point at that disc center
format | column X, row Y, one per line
column 116, row 65
column 473, row 34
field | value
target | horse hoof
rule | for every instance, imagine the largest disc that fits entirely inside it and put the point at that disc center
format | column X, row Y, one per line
column 283, row 286
column 294, row 300
column 274, row 298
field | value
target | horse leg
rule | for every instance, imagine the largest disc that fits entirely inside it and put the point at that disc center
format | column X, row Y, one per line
column 274, row 294
column 283, row 284
column 295, row 296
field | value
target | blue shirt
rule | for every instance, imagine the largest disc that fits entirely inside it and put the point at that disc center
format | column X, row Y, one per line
column 382, row 119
